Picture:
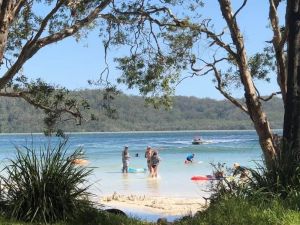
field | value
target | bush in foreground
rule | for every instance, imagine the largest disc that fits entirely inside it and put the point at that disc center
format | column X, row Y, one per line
column 44, row 185
column 88, row 216
column 239, row 211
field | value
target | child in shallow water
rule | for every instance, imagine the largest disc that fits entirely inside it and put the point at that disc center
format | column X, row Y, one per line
column 154, row 163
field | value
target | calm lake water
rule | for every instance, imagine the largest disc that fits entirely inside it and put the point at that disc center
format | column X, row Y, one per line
column 103, row 150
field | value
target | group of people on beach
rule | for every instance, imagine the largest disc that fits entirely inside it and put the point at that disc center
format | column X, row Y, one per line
column 151, row 156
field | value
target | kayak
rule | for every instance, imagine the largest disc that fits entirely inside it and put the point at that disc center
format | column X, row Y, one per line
column 203, row 178
column 137, row 170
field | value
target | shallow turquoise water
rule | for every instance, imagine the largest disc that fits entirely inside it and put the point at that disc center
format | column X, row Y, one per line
column 103, row 150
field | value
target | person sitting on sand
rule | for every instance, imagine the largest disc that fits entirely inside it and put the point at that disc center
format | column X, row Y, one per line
column 125, row 159
column 239, row 170
column 190, row 158
column 148, row 155
column 154, row 163
column 80, row 162
column 219, row 174
column 78, row 159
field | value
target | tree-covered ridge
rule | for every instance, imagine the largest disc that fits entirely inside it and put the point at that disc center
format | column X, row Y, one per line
column 188, row 113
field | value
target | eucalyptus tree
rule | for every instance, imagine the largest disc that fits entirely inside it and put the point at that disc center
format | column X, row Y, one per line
column 27, row 26
column 162, row 49
column 160, row 38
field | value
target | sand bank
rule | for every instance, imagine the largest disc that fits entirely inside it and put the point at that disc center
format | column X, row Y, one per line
column 163, row 206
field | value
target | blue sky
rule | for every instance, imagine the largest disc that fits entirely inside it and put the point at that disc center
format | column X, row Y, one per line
column 70, row 64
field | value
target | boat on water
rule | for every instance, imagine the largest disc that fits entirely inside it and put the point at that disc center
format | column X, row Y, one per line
column 197, row 141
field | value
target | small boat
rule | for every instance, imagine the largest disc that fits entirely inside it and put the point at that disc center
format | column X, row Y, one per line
column 197, row 141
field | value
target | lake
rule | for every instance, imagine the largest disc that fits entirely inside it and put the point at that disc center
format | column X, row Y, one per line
column 103, row 150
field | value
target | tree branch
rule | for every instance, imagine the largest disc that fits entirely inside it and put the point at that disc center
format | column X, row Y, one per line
column 226, row 94
column 46, row 20
column 270, row 97
column 202, row 28
column 74, row 28
column 24, row 95
column 219, row 42
column 18, row 7
column 32, row 46
column 243, row 5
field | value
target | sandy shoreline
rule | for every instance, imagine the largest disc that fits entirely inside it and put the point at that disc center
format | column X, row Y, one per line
column 162, row 206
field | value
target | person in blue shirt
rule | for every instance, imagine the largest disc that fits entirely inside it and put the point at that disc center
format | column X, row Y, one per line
column 190, row 158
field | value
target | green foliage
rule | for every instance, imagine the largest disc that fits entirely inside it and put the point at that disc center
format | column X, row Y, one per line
column 170, row 48
column 281, row 182
column 244, row 212
column 88, row 216
column 29, row 20
column 155, row 76
column 231, row 186
column 261, row 64
column 44, row 185
column 158, row 49
column 92, row 216
column 56, row 103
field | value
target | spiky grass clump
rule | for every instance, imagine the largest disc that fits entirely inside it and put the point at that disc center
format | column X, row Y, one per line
column 44, row 185
column 281, row 180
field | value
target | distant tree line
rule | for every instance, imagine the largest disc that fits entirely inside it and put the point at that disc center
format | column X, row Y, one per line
column 187, row 113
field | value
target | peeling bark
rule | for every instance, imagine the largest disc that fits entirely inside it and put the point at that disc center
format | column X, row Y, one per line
column 6, row 18
column 278, row 44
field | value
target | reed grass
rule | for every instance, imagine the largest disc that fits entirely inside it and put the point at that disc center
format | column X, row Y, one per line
column 238, row 211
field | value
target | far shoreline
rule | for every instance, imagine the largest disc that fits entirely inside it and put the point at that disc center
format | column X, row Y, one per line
column 135, row 132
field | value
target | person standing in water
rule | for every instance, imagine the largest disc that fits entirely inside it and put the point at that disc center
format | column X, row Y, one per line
column 190, row 158
column 148, row 155
column 154, row 163
column 125, row 159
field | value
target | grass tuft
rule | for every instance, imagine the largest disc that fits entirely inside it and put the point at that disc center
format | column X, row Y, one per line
column 44, row 185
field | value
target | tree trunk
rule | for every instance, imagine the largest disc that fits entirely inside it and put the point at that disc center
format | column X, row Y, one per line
column 278, row 44
column 5, row 20
column 254, row 106
column 291, row 128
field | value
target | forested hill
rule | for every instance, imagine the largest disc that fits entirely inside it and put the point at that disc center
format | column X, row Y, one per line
column 188, row 113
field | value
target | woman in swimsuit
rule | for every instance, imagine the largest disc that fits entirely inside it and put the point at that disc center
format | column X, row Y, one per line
column 148, row 155
column 154, row 163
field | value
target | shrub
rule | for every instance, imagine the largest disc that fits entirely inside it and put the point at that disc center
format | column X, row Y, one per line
column 244, row 212
column 44, row 185
column 93, row 216
column 230, row 186
column 281, row 181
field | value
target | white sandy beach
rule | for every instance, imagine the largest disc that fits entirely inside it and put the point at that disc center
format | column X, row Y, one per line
column 162, row 206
